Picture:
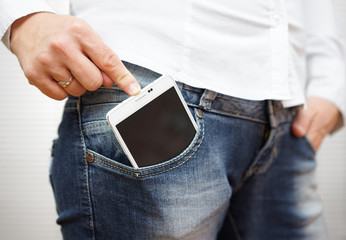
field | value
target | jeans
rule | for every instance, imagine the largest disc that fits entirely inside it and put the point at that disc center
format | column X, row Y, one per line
column 243, row 176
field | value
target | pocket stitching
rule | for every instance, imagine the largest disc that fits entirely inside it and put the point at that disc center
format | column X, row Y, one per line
column 95, row 125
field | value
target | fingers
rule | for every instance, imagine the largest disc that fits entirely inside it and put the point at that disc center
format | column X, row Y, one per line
column 85, row 71
column 74, row 88
column 51, row 47
column 303, row 126
column 61, row 74
column 315, row 138
column 47, row 82
column 85, row 75
column 49, row 87
column 96, row 66
column 301, row 123
column 69, row 60
column 110, row 64
column 107, row 81
column 316, row 121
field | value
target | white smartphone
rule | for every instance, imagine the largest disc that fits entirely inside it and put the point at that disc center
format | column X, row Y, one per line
column 155, row 125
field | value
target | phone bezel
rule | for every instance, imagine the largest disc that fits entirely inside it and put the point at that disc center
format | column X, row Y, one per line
column 134, row 103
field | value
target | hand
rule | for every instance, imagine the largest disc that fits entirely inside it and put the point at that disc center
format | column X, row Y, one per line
column 316, row 121
column 51, row 47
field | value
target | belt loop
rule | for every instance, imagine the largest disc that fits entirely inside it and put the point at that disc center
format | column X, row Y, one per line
column 271, row 111
column 207, row 98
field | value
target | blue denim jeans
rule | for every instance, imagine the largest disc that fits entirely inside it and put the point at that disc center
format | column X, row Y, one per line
column 244, row 175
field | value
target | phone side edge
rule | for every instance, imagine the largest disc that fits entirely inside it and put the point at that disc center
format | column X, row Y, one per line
column 185, row 105
column 122, row 143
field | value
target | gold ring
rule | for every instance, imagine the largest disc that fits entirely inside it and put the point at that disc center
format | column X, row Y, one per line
column 65, row 84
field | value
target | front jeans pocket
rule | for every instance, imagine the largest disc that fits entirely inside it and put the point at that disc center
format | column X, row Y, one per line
column 104, row 150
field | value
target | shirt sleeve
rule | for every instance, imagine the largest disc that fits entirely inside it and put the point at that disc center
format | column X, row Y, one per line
column 325, row 56
column 11, row 10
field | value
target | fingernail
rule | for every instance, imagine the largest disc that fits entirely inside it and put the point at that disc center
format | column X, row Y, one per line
column 134, row 88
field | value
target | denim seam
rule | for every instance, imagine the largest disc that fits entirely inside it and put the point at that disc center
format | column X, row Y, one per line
column 96, row 125
column 262, row 168
column 255, row 166
column 236, row 115
column 212, row 110
column 276, row 138
column 234, row 226
column 137, row 174
column 71, row 104
column 86, row 174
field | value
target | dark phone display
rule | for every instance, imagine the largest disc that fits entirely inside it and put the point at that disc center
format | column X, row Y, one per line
column 158, row 131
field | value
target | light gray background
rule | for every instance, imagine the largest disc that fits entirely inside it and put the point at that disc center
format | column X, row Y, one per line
column 28, row 124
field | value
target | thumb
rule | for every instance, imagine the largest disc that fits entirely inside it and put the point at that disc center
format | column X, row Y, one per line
column 301, row 123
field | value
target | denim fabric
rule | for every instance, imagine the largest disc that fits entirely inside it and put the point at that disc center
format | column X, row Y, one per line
column 244, row 175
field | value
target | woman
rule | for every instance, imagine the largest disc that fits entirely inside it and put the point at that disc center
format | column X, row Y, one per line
column 241, row 67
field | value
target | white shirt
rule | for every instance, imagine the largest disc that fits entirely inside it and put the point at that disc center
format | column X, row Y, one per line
column 250, row 49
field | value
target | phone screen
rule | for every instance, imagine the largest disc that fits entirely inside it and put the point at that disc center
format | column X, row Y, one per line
column 158, row 131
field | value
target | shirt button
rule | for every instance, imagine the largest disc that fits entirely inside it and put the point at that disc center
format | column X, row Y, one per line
column 90, row 157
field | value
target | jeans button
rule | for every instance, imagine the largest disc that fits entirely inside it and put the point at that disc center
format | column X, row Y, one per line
column 90, row 157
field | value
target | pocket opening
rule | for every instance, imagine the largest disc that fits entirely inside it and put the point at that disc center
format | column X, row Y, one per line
column 156, row 169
